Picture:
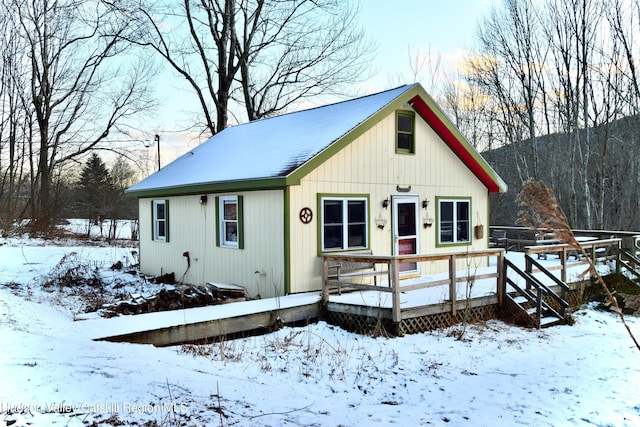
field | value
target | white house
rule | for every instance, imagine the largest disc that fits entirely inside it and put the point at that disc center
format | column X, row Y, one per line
column 258, row 204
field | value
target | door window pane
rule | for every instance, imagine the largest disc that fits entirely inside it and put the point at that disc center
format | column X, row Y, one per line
column 406, row 219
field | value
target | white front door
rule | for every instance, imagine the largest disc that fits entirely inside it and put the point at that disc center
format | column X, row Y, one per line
column 405, row 231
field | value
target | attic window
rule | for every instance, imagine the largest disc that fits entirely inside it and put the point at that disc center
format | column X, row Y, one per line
column 405, row 140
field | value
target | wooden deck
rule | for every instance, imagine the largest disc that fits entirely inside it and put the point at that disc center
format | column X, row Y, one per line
column 374, row 299
column 397, row 306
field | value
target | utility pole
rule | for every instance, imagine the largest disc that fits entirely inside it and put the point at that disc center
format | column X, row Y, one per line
column 157, row 140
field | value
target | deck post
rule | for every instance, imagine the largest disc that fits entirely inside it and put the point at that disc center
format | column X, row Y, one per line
column 325, row 277
column 501, row 279
column 563, row 263
column 453, row 294
column 394, row 273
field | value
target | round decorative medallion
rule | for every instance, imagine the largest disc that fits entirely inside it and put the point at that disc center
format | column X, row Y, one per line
column 306, row 215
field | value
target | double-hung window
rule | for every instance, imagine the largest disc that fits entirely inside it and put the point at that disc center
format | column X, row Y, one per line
column 405, row 140
column 229, row 232
column 344, row 223
column 454, row 224
column 160, row 215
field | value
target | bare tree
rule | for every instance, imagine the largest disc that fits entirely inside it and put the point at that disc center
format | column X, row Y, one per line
column 624, row 20
column 510, row 36
column 15, row 120
column 81, row 85
column 572, row 28
column 472, row 111
column 558, row 77
column 262, row 55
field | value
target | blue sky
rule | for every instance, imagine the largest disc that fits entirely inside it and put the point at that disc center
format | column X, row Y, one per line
column 440, row 27
column 400, row 28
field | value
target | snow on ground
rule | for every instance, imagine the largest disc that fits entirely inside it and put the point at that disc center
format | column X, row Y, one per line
column 52, row 373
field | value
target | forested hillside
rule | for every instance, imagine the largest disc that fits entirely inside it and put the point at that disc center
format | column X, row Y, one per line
column 552, row 92
column 611, row 173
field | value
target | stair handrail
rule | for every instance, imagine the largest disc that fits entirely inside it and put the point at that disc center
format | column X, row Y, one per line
column 538, row 284
column 634, row 269
column 632, row 257
column 540, row 289
column 565, row 288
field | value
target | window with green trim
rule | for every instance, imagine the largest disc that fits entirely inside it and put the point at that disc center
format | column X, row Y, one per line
column 405, row 130
column 160, row 218
column 454, row 224
column 344, row 223
column 229, row 232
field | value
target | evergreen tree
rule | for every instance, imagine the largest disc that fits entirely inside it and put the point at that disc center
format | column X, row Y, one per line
column 95, row 189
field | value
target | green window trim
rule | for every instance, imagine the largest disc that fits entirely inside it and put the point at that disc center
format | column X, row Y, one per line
column 349, row 206
column 155, row 234
column 405, row 132
column 456, row 240
column 239, row 202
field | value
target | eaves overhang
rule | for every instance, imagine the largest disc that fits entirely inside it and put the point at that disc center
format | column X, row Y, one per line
column 276, row 183
column 427, row 109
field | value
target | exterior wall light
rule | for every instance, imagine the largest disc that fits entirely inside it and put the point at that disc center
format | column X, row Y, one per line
column 385, row 203
column 381, row 222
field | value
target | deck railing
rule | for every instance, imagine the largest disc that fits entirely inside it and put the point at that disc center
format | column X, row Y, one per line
column 388, row 269
column 598, row 250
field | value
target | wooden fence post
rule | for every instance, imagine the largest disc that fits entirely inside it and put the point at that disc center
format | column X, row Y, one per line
column 501, row 280
column 563, row 263
column 453, row 294
column 395, row 291
column 325, row 276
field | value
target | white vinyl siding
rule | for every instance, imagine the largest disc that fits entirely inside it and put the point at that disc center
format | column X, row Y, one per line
column 258, row 265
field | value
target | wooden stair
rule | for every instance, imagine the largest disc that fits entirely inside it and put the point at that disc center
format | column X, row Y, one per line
column 525, row 312
column 535, row 305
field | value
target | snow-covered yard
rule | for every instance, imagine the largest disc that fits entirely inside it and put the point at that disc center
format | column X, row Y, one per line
column 52, row 373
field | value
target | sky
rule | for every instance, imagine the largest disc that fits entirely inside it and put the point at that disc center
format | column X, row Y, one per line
column 402, row 30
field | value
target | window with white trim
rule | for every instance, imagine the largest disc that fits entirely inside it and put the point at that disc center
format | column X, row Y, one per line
column 229, row 216
column 454, row 224
column 344, row 223
column 160, row 220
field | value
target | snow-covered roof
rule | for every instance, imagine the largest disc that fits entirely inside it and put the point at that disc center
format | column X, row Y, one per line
column 263, row 153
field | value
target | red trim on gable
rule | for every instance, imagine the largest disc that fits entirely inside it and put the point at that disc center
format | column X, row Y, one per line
column 457, row 146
